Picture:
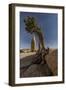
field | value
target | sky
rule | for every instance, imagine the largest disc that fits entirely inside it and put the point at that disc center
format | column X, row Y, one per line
column 49, row 26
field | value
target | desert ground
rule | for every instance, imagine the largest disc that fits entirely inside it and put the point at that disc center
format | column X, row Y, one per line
column 38, row 70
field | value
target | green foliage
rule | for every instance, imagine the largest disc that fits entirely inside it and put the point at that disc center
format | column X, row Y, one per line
column 30, row 23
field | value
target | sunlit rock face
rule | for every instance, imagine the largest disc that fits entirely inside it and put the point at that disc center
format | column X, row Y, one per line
column 37, row 70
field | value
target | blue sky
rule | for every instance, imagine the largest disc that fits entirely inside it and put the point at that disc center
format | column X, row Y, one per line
column 49, row 25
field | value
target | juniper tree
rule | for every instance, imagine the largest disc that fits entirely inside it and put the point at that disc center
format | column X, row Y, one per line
column 32, row 28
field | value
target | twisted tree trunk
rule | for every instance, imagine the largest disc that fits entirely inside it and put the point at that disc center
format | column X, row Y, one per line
column 41, row 44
